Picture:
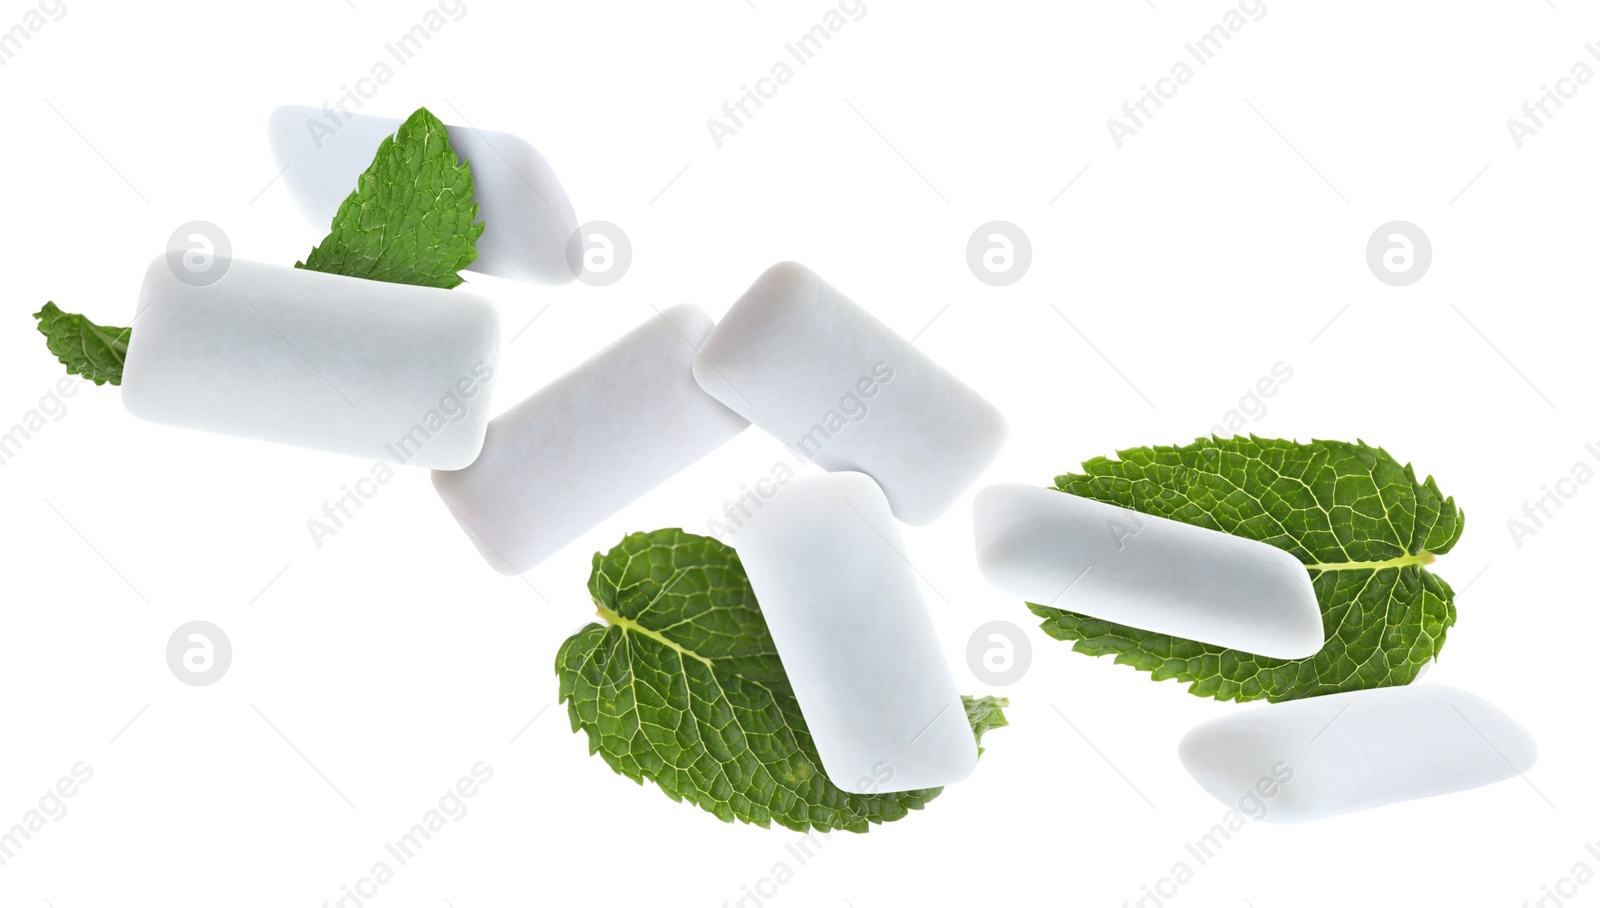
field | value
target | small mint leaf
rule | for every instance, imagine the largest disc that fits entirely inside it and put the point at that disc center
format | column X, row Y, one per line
column 410, row 218
column 96, row 352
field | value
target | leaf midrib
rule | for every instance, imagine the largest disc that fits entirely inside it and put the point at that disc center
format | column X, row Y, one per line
column 1420, row 559
column 628, row 624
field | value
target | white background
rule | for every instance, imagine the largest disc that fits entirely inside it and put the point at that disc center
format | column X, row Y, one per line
column 1166, row 280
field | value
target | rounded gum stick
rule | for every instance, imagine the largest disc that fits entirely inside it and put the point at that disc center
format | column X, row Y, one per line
column 386, row 371
column 590, row 442
column 829, row 571
column 527, row 214
column 1353, row 751
column 1063, row 551
column 839, row 388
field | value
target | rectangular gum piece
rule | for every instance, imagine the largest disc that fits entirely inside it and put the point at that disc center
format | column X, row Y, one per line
column 1064, row 551
column 584, row 446
column 1339, row 753
column 829, row 570
column 384, row 371
column 839, row 388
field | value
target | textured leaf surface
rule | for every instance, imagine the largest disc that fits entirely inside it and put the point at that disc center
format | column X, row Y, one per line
column 96, row 352
column 1361, row 523
column 985, row 714
column 410, row 218
column 683, row 686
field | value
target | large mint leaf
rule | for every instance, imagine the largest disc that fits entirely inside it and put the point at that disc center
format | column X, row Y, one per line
column 410, row 218
column 682, row 686
column 96, row 352
column 1360, row 521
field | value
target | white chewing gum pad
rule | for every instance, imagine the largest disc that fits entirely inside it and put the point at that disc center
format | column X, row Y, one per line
column 527, row 214
column 798, row 359
column 1063, row 551
column 829, row 571
column 372, row 369
column 1345, row 752
column 587, row 444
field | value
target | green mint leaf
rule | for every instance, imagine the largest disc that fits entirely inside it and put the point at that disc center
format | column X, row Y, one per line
column 1360, row 522
column 96, row 352
column 683, row 686
column 985, row 714
column 410, row 218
